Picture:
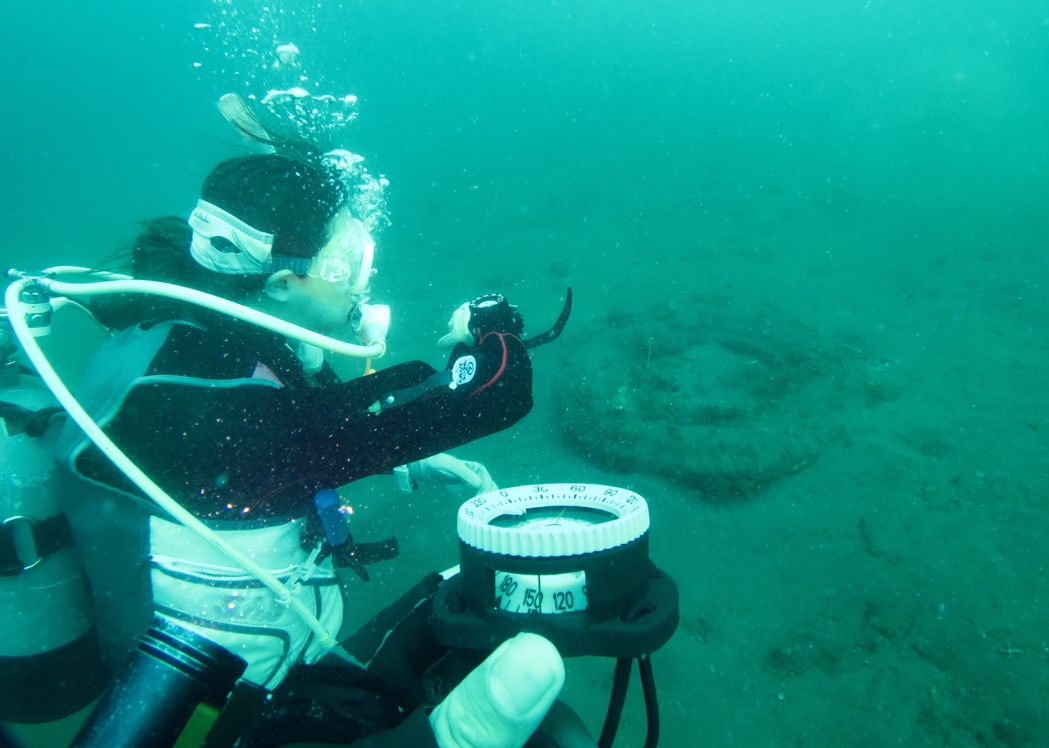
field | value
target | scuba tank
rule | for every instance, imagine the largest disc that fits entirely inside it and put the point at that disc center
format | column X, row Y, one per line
column 50, row 661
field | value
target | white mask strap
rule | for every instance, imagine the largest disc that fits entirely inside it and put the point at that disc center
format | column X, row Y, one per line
column 225, row 244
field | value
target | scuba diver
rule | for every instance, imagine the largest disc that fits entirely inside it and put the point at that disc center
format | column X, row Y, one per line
column 250, row 434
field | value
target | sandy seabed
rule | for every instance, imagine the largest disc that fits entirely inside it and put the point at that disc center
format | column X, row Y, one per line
column 891, row 591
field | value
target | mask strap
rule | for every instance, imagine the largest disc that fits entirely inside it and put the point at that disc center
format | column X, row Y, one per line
column 225, row 244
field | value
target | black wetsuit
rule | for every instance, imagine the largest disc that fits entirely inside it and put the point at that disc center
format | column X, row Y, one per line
column 250, row 453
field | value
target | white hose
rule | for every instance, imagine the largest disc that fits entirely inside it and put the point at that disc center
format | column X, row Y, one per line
column 215, row 303
column 61, row 302
column 128, row 468
column 77, row 270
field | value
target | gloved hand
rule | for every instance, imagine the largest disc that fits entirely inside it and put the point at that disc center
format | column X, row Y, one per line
column 375, row 323
column 485, row 314
column 458, row 476
column 458, row 329
column 500, row 703
column 311, row 356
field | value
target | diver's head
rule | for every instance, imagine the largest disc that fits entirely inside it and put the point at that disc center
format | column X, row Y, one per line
column 289, row 222
column 270, row 231
column 292, row 201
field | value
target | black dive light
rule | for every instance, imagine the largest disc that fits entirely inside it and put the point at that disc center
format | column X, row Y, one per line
column 170, row 672
column 569, row 562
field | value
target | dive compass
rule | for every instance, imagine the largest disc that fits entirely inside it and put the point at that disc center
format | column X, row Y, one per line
column 568, row 561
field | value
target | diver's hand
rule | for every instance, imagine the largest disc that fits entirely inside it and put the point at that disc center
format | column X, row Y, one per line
column 500, row 703
column 375, row 323
column 458, row 476
column 458, row 329
column 485, row 314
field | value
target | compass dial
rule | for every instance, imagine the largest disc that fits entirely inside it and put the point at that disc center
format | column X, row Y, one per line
column 557, row 519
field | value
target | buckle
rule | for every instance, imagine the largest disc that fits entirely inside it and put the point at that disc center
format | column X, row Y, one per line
column 404, row 478
column 18, row 551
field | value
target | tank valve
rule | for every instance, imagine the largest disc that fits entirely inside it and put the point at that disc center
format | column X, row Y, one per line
column 36, row 306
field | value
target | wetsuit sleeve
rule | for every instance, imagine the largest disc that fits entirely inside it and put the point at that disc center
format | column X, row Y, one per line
column 257, row 450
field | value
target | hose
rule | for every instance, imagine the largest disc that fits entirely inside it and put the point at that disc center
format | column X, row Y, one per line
column 215, row 303
column 648, row 687
column 77, row 270
column 128, row 468
column 615, row 706
column 620, row 682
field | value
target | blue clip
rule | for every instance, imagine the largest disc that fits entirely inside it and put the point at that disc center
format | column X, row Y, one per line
column 328, row 504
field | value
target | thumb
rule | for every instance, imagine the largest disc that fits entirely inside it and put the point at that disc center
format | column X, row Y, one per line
column 502, row 702
column 483, row 482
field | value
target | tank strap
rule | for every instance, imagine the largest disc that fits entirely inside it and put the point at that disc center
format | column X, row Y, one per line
column 25, row 542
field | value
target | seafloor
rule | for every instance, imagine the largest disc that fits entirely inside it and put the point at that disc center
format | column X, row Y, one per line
column 873, row 571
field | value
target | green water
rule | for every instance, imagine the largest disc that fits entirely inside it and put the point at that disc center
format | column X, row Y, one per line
column 868, row 178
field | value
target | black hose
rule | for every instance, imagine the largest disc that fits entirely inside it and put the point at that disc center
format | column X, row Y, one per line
column 615, row 705
column 648, row 687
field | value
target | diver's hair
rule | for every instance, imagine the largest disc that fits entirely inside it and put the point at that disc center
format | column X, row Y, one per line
column 288, row 198
column 274, row 134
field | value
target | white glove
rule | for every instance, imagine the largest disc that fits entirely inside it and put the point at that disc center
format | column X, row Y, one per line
column 375, row 323
column 458, row 329
column 500, row 703
column 311, row 356
column 458, row 476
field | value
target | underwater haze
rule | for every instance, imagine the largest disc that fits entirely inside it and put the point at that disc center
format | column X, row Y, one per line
column 809, row 248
